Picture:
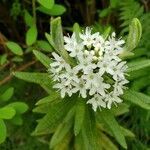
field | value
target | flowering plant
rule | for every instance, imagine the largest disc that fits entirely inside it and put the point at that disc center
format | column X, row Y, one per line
column 99, row 73
column 87, row 68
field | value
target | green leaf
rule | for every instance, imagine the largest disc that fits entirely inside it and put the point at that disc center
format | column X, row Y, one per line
column 3, row 131
column 137, row 98
column 28, row 18
column 20, row 107
column 109, row 120
column 106, row 143
column 79, row 116
column 135, row 32
column 17, row 120
column 55, row 11
column 52, row 119
column 47, row 3
column 17, row 59
column 46, row 61
column 53, row 96
column 44, row 45
column 106, row 32
column 137, row 65
column 121, row 109
column 3, row 59
column 89, row 133
column 127, row 132
column 7, row 112
column 7, row 94
column 58, row 40
column 31, row 35
column 38, row 78
column 14, row 47
column 77, row 30
column 63, row 129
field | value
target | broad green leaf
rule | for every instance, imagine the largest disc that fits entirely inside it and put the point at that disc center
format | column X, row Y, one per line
column 137, row 98
column 109, row 120
column 53, row 96
column 58, row 40
column 31, row 35
column 44, row 45
column 3, row 59
column 7, row 94
column 45, row 60
column 19, row 107
column 55, row 11
column 89, row 133
column 79, row 116
column 137, row 65
column 38, row 78
column 7, row 112
column 63, row 129
column 28, row 18
column 17, row 120
column 47, row 3
column 52, row 119
column 3, row 131
column 106, row 143
column 14, row 47
column 135, row 32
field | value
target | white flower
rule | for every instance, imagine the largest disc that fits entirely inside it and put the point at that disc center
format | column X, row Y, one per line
column 110, row 98
column 99, row 73
column 114, row 44
column 88, row 37
column 59, row 63
column 99, row 43
column 63, row 88
column 80, row 87
column 96, row 102
column 85, row 64
column 118, row 71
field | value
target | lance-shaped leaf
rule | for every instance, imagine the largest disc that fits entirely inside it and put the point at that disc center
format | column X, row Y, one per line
column 109, row 120
column 39, row 78
column 137, row 98
column 3, row 131
column 63, row 129
column 137, row 65
column 89, row 133
column 47, row 3
column 135, row 32
column 54, row 116
column 77, row 30
column 45, row 60
column 79, row 115
column 58, row 40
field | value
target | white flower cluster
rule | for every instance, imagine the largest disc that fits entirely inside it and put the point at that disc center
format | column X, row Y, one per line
column 99, row 74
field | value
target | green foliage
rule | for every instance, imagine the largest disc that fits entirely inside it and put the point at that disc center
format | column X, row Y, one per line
column 47, row 3
column 15, row 48
column 10, row 111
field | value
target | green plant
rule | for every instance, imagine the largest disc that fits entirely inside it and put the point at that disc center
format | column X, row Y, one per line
column 10, row 111
column 72, row 121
